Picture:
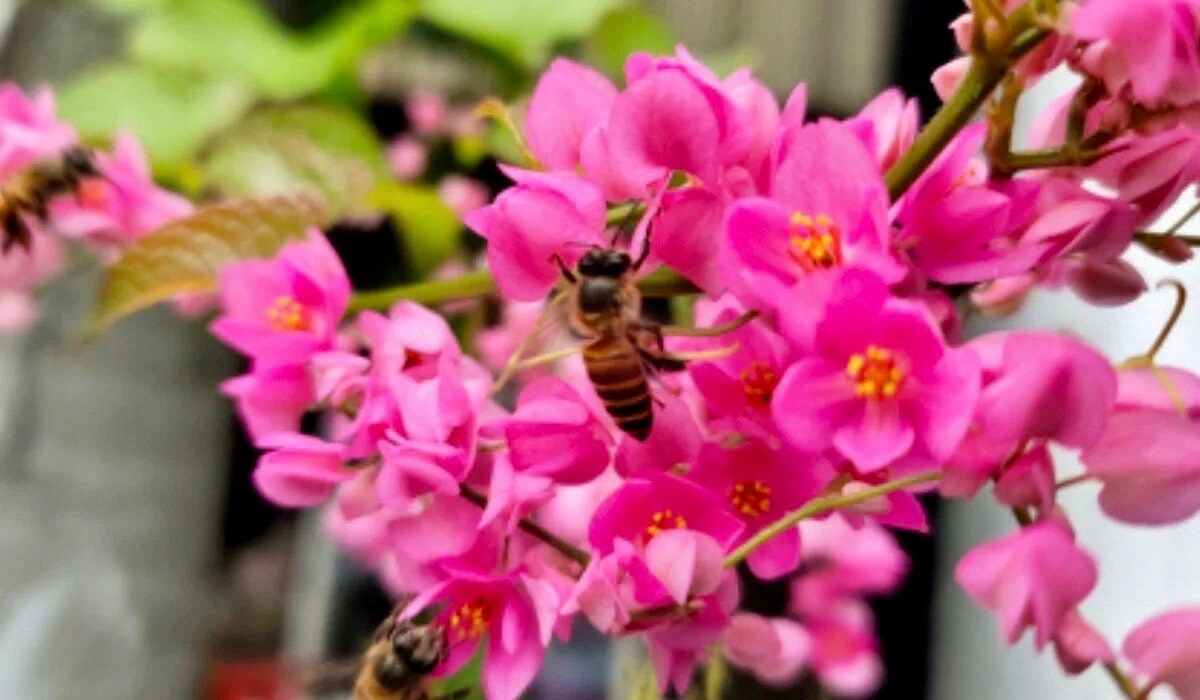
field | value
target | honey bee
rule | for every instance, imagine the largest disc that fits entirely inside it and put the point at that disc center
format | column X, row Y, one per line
column 29, row 192
column 396, row 665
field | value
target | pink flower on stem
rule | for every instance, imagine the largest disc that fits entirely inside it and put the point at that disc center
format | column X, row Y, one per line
column 1035, row 385
column 845, row 651
column 120, row 207
column 776, row 650
column 961, row 227
column 1078, row 645
column 282, row 311
column 1031, row 578
column 271, row 399
column 759, row 485
column 1148, row 458
column 679, row 646
column 827, row 210
column 1149, row 47
column 881, row 383
column 569, row 102
column 738, row 389
column 1151, row 171
column 299, row 471
column 516, row 624
column 29, row 129
column 553, row 433
column 21, row 272
column 642, row 508
column 543, row 214
column 844, row 561
column 887, row 126
column 1163, row 649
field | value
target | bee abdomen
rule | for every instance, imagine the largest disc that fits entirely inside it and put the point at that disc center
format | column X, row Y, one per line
column 616, row 372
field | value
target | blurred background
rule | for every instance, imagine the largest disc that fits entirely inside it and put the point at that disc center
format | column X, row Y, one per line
column 136, row 561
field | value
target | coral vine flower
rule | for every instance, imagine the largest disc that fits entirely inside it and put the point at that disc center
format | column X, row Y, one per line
column 543, row 214
column 516, row 623
column 300, row 470
column 881, row 383
column 29, row 129
column 828, row 209
column 845, row 655
column 271, row 399
column 775, row 650
column 569, row 102
column 284, row 310
column 760, row 485
column 1031, row 578
column 642, row 508
column 887, row 126
column 1164, row 650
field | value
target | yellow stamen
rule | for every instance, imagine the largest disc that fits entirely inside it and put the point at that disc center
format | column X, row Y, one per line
column 759, row 381
column 876, row 373
column 750, row 498
column 663, row 520
column 815, row 243
column 287, row 314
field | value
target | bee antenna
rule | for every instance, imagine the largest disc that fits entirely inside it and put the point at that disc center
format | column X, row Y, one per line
column 582, row 244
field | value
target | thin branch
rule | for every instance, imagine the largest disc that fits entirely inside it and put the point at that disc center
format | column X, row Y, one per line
column 566, row 548
column 820, row 506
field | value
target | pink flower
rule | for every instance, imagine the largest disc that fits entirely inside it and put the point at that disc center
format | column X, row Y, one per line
column 674, row 567
column 846, row 561
column 22, row 271
column 675, row 438
column 1163, row 649
column 426, row 111
column 407, row 158
column 881, row 383
column 284, row 310
column 462, row 194
column 845, row 655
column 1151, row 171
column 775, row 650
column 1078, row 645
column 29, row 129
column 543, row 214
column 517, row 626
column 828, row 210
column 1036, row 385
column 887, row 126
column 554, row 434
column 1148, row 458
column 738, row 389
column 568, row 103
column 299, row 471
column 962, row 227
column 1031, row 578
column 759, row 485
column 271, row 399
column 676, row 648
column 124, row 205
column 642, row 508
column 1149, row 47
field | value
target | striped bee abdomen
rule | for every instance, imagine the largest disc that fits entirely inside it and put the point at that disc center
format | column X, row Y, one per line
column 615, row 368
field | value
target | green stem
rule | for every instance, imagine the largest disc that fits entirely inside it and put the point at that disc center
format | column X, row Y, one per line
column 479, row 283
column 984, row 74
column 567, row 549
column 820, row 506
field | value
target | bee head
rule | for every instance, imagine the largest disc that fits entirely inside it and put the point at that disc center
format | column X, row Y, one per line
column 604, row 262
column 421, row 649
column 79, row 161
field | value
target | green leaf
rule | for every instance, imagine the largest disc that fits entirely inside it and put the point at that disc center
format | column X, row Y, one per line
column 186, row 255
column 524, row 31
column 240, row 40
column 622, row 32
column 172, row 112
column 315, row 148
column 430, row 229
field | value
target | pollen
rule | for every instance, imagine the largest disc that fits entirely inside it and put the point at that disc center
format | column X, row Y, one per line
column 469, row 620
column 750, row 498
column 663, row 520
column 876, row 373
column 759, row 381
column 816, row 243
column 287, row 314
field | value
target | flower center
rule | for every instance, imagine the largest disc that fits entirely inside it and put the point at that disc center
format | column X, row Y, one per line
column 93, row 192
column 815, row 243
column 876, row 373
column 751, row 498
column 287, row 314
column 663, row 520
column 469, row 620
column 759, row 381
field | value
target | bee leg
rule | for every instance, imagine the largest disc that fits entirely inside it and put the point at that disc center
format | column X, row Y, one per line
column 693, row 332
column 566, row 271
column 543, row 322
column 673, row 361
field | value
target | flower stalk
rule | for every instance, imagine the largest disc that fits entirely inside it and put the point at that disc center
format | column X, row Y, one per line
column 822, row 505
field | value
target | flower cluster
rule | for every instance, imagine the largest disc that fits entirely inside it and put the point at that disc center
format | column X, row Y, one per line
column 106, row 213
column 850, row 391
